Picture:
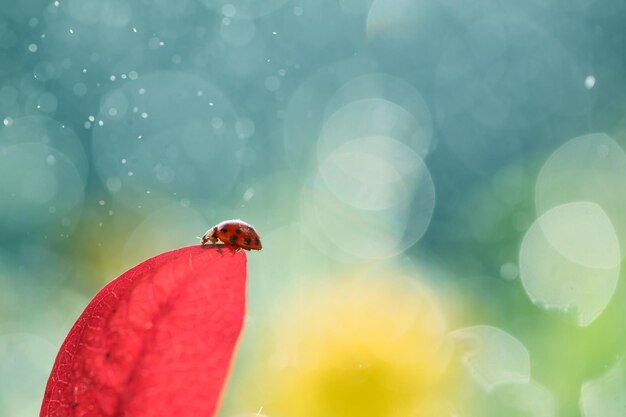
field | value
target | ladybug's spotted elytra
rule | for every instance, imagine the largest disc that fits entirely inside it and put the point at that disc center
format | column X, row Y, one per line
column 233, row 233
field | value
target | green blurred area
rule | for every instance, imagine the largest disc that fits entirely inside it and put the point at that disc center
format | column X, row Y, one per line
column 477, row 148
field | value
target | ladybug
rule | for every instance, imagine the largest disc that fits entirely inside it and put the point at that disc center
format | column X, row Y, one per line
column 233, row 233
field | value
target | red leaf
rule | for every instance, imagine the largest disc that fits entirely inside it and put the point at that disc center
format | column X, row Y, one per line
column 156, row 341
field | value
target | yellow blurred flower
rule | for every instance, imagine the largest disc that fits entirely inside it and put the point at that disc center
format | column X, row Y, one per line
column 365, row 347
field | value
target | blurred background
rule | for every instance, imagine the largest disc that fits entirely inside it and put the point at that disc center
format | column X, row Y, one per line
column 440, row 187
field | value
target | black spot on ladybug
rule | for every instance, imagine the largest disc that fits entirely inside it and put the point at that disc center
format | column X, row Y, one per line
column 251, row 228
column 246, row 241
column 238, row 230
column 233, row 239
column 74, row 404
column 224, row 230
column 257, row 241
column 215, row 229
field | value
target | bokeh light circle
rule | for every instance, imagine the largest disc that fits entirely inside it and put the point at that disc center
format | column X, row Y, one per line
column 521, row 399
column 570, row 260
column 372, row 198
column 372, row 173
column 395, row 90
column 492, row 356
column 604, row 395
column 372, row 117
column 587, row 168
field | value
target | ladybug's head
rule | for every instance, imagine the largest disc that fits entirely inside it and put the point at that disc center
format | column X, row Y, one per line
column 209, row 236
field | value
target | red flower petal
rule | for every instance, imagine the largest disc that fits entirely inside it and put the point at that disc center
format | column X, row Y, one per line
column 156, row 341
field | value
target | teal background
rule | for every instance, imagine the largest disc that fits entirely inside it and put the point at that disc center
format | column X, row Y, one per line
column 352, row 134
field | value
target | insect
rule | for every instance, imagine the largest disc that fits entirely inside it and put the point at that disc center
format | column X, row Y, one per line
column 235, row 233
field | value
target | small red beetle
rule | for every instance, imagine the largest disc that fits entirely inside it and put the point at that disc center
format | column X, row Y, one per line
column 234, row 233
